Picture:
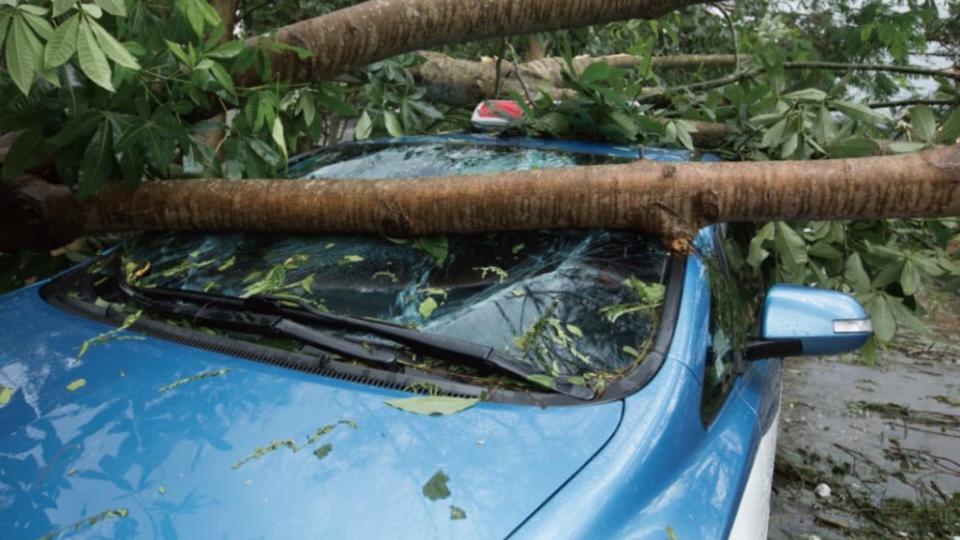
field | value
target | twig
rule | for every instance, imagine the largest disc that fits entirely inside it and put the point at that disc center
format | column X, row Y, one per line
column 912, row 101
column 496, row 83
column 516, row 69
column 733, row 33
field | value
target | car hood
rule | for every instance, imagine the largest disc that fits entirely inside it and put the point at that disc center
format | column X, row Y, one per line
column 144, row 437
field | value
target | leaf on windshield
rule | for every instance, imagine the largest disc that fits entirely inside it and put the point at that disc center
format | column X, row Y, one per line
column 270, row 283
column 427, row 307
column 435, row 246
column 436, row 488
column 76, row 385
column 433, row 405
column 6, row 393
column 193, row 378
column 350, row 259
column 457, row 513
column 495, row 270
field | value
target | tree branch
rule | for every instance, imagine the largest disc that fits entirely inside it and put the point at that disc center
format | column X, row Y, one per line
column 668, row 200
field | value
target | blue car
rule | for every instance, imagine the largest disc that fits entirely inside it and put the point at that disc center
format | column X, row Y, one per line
column 534, row 384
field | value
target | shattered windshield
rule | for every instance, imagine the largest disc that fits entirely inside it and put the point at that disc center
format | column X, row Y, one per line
column 565, row 302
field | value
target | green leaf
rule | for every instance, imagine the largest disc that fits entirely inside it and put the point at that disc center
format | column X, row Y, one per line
column 92, row 9
column 905, row 147
column 858, row 111
column 227, row 50
column 436, row 488
column 93, row 62
column 910, row 278
column 62, row 6
column 457, row 513
column 113, row 7
column 223, row 77
column 24, row 54
column 27, row 151
column 856, row 275
column 96, row 163
column 884, row 325
column 427, row 307
column 323, row 451
column 807, row 94
column 950, row 130
column 789, row 146
column 853, row 147
column 4, row 25
column 436, row 246
column 773, row 136
column 76, row 385
column 178, row 51
column 364, row 127
column 6, row 393
column 276, row 133
column 595, row 72
column 63, row 43
column 392, row 124
column 39, row 25
column 923, row 123
column 113, row 49
column 433, row 405
column 756, row 254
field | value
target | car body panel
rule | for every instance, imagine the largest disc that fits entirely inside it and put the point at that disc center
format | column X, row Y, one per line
column 118, row 441
column 628, row 468
column 665, row 470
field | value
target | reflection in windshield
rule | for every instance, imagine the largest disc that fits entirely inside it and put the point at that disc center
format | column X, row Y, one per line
column 566, row 302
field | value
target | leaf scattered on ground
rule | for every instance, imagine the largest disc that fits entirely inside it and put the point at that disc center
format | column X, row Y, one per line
column 433, row 405
column 436, row 488
column 193, row 378
column 76, row 385
column 457, row 513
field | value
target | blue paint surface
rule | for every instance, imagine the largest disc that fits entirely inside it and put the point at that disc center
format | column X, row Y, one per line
column 628, row 468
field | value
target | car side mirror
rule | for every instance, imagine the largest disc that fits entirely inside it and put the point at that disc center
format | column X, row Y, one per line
column 799, row 320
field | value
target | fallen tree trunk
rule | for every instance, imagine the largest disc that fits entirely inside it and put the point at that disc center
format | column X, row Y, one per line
column 465, row 83
column 353, row 37
column 668, row 200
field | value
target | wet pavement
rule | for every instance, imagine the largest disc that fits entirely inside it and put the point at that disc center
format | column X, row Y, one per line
column 885, row 440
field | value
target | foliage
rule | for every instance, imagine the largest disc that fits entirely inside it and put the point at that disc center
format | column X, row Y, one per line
column 132, row 91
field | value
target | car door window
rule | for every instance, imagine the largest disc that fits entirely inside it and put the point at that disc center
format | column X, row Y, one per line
column 732, row 308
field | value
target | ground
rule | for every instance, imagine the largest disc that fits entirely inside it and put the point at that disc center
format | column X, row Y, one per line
column 884, row 439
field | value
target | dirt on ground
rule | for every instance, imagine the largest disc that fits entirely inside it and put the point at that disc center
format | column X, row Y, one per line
column 873, row 451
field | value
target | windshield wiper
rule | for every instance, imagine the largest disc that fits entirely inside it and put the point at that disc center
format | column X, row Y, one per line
column 291, row 310
column 258, row 323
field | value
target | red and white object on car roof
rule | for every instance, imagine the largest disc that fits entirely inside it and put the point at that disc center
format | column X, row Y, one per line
column 496, row 114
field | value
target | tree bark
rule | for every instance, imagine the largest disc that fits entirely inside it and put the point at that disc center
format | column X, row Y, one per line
column 353, row 37
column 668, row 200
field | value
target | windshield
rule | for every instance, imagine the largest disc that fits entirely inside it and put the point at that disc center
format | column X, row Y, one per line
column 564, row 302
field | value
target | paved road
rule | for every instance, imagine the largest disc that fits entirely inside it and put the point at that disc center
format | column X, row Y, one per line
column 886, row 440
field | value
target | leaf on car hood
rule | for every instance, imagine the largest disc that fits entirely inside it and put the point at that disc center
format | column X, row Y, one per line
column 433, row 405
column 436, row 488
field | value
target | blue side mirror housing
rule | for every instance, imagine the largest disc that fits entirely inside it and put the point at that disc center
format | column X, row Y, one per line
column 803, row 320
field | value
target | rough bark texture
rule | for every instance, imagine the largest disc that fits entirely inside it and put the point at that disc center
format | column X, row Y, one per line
column 460, row 82
column 359, row 35
column 669, row 200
